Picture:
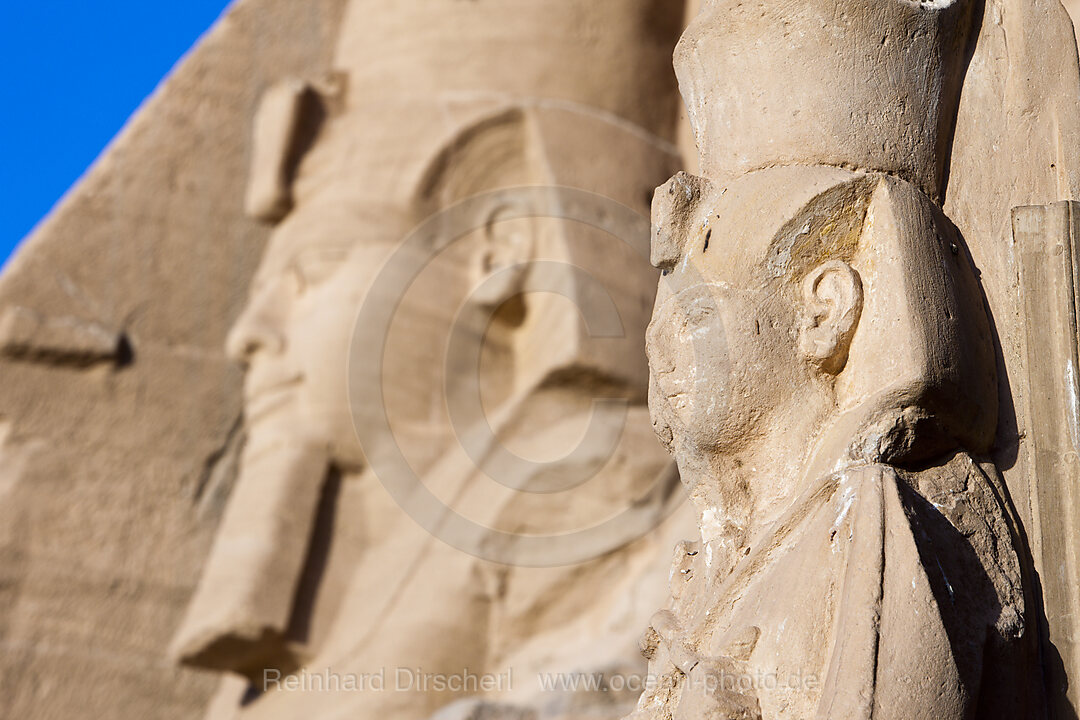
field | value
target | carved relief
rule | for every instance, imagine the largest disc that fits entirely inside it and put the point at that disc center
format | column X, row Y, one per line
column 863, row 357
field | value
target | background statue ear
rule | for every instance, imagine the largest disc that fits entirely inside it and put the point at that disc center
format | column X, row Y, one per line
column 489, row 157
column 500, row 261
column 832, row 298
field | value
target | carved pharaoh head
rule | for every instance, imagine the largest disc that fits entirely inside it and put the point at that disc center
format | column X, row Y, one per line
column 423, row 116
column 816, row 292
column 323, row 259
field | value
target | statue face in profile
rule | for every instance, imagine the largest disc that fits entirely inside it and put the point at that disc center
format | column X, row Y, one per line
column 394, row 146
column 721, row 346
column 294, row 333
column 751, row 320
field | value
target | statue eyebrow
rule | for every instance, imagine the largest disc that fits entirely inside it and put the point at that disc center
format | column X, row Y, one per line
column 341, row 250
column 302, row 260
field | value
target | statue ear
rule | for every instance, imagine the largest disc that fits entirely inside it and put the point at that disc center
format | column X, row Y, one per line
column 832, row 302
column 481, row 160
column 500, row 261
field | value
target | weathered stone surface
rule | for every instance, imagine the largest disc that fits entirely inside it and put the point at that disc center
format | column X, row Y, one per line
column 1044, row 240
column 28, row 336
column 286, row 118
column 1017, row 143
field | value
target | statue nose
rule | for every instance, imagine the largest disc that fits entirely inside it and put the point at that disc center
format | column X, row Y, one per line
column 258, row 329
column 675, row 209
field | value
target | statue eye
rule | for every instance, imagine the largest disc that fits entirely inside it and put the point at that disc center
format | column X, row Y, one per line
column 314, row 266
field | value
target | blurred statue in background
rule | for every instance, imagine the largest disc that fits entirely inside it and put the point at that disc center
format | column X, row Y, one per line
column 823, row 371
column 316, row 568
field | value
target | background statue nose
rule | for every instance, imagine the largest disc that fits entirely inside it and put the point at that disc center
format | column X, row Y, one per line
column 258, row 329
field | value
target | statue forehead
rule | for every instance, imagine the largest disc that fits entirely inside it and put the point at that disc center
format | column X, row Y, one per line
column 730, row 229
column 355, row 188
column 329, row 230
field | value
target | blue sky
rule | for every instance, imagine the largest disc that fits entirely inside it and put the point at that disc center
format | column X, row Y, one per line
column 73, row 72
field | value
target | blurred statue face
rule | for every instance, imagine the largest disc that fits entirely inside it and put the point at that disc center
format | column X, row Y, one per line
column 294, row 333
column 321, row 267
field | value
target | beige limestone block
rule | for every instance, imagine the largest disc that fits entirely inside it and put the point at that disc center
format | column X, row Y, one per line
column 275, row 141
column 25, row 334
column 1016, row 143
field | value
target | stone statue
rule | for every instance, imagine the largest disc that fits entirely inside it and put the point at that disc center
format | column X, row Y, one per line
column 823, row 371
column 864, row 356
column 315, row 566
